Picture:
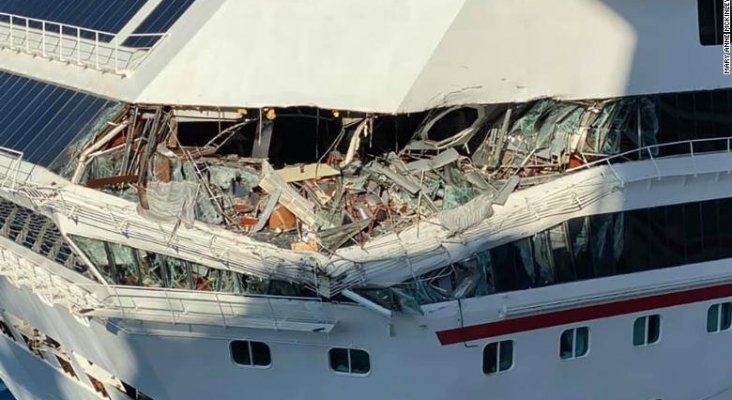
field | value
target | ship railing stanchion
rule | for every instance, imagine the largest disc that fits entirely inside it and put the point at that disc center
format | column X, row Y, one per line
column 60, row 42
column 221, row 309
column 43, row 38
column 11, row 38
column 78, row 46
column 170, row 306
column 655, row 164
column 693, row 161
column 27, row 36
column 274, row 316
column 96, row 48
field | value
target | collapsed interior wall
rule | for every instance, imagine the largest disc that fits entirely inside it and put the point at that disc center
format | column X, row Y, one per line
column 318, row 180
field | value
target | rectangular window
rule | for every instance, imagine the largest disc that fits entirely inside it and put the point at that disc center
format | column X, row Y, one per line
column 497, row 357
column 710, row 22
column 574, row 343
column 251, row 354
column 350, row 361
column 646, row 330
column 719, row 317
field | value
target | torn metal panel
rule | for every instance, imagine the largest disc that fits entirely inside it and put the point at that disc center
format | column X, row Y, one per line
column 289, row 198
column 274, row 198
column 171, row 201
column 263, row 139
column 306, row 172
column 406, row 182
column 446, row 157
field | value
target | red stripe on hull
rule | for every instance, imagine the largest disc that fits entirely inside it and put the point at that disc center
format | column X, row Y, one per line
column 546, row 320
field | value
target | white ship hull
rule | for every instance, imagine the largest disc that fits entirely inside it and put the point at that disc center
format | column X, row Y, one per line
column 432, row 356
column 408, row 362
column 136, row 264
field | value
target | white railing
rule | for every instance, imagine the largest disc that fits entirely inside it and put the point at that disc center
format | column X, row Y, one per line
column 178, row 306
column 51, row 287
column 722, row 144
column 90, row 48
column 10, row 163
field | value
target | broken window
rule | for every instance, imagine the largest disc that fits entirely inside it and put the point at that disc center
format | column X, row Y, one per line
column 349, row 361
column 578, row 249
column 497, row 357
column 250, row 353
column 124, row 265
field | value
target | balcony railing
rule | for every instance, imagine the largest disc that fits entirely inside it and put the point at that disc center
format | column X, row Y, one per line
column 99, row 50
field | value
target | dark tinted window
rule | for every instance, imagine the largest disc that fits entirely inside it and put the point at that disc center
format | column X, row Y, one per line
column 574, row 343
column 646, row 330
column 719, row 317
column 249, row 353
column 710, row 22
column 497, row 357
column 349, row 361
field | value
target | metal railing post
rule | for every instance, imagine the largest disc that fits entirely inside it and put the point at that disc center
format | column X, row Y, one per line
column 12, row 46
column 60, row 42
column 221, row 309
column 78, row 46
column 96, row 48
column 27, row 36
column 43, row 38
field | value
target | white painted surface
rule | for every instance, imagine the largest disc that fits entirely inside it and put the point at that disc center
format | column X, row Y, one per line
column 409, row 55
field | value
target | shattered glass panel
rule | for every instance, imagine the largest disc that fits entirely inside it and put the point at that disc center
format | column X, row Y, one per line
column 97, row 254
column 200, row 277
column 124, row 260
column 41, row 120
column 178, row 274
column 151, row 268
column 225, row 281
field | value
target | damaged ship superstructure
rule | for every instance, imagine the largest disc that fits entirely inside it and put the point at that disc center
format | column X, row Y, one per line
column 333, row 220
column 165, row 239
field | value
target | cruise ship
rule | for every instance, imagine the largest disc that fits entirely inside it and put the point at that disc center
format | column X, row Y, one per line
column 371, row 199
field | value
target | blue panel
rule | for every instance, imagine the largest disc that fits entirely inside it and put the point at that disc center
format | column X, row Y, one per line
column 41, row 120
column 103, row 15
column 160, row 20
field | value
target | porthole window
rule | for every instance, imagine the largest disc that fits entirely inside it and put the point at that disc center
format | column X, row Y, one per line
column 719, row 317
column 646, row 330
column 250, row 353
column 574, row 343
column 497, row 357
column 349, row 361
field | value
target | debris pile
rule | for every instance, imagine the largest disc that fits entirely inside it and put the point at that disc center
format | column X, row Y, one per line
column 454, row 166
